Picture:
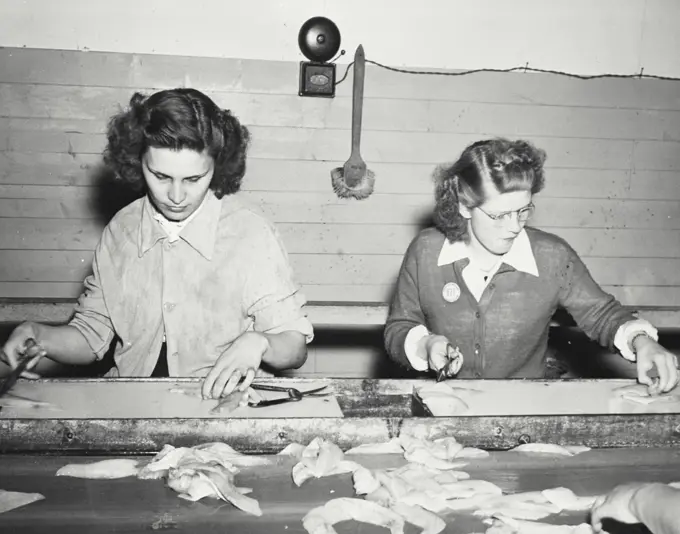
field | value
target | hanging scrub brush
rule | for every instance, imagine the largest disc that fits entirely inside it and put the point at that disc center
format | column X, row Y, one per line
column 354, row 180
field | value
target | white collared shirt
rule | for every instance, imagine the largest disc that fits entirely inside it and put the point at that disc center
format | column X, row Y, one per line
column 521, row 257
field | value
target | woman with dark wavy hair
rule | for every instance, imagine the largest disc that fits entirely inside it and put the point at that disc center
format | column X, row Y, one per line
column 187, row 280
column 476, row 293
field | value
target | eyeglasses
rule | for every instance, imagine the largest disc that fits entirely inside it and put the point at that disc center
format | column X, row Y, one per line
column 523, row 214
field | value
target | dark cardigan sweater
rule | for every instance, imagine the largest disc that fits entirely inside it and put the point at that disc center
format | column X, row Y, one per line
column 505, row 335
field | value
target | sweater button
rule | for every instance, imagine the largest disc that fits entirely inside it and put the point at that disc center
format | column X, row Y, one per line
column 478, row 315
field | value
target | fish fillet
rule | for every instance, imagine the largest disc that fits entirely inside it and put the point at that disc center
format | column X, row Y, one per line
column 364, row 481
column 202, row 471
column 568, row 500
column 170, row 457
column 639, row 394
column 420, row 479
column 380, row 496
column 105, row 469
column 549, row 448
column 464, row 489
column 529, row 505
column 427, row 521
column 189, row 391
column 320, row 520
column 443, row 406
column 447, row 388
column 9, row 500
column 474, row 502
column 293, row 449
column 196, row 481
column 396, row 486
column 321, row 458
column 433, row 502
column 425, row 457
column 443, row 399
column 415, row 487
column 449, row 477
column 507, row 525
column 472, row 452
column 389, row 447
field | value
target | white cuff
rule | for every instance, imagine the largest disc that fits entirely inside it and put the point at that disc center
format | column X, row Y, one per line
column 416, row 356
column 627, row 331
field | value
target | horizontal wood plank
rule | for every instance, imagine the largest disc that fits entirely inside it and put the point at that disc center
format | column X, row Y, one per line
column 292, row 207
column 65, row 136
column 661, row 156
column 650, row 296
column 295, row 175
column 71, row 102
column 102, row 69
column 324, row 238
column 40, row 290
column 17, row 168
column 321, row 315
column 331, row 269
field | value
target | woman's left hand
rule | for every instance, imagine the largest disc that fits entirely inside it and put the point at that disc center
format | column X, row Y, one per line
column 649, row 355
column 241, row 360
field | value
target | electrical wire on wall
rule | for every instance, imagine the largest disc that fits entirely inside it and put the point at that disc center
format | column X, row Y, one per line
column 525, row 68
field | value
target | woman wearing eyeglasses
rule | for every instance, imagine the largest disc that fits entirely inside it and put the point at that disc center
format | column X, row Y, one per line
column 476, row 293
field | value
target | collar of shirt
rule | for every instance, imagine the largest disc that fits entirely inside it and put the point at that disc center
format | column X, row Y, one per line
column 520, row 256
column 173, row 228
column 198, row 230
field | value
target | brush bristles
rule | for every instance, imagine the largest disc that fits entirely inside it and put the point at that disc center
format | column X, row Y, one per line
column 359, row 192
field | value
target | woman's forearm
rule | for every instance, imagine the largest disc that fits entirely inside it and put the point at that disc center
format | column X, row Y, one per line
column 64, row 344
column 287, row 350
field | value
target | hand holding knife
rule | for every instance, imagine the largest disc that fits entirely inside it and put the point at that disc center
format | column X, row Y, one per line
column 453, row 365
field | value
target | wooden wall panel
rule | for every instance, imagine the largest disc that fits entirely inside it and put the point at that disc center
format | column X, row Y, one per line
column 72, row 102
column 324, row 238
column 613, row 168
column 331, row 269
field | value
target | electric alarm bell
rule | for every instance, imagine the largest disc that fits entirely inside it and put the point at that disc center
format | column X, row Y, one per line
column 319, row 41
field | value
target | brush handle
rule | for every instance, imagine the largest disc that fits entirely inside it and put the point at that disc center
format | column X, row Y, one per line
column 358, row 98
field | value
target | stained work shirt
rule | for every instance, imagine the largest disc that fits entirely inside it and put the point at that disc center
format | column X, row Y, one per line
column 501, row 325
column 224, row 273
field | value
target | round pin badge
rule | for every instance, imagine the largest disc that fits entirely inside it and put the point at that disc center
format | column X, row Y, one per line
column 451, row 292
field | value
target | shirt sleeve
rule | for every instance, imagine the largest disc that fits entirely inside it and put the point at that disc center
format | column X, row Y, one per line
column 302, row 325
column 271, row 298
column 405, row 311
column 624, row 336
column 596, row 312
column 91, row 316
column 413, row 351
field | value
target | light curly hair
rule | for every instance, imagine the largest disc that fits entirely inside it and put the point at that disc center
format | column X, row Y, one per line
column 506, row 165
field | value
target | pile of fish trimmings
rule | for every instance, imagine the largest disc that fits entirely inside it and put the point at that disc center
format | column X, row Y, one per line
column 430, row 484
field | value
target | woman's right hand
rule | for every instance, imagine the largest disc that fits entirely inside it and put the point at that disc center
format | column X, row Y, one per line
column 14, row 349
column 440, row 352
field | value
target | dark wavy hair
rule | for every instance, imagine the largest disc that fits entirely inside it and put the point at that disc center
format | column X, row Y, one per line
column 507, row 165
column 177, row 119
